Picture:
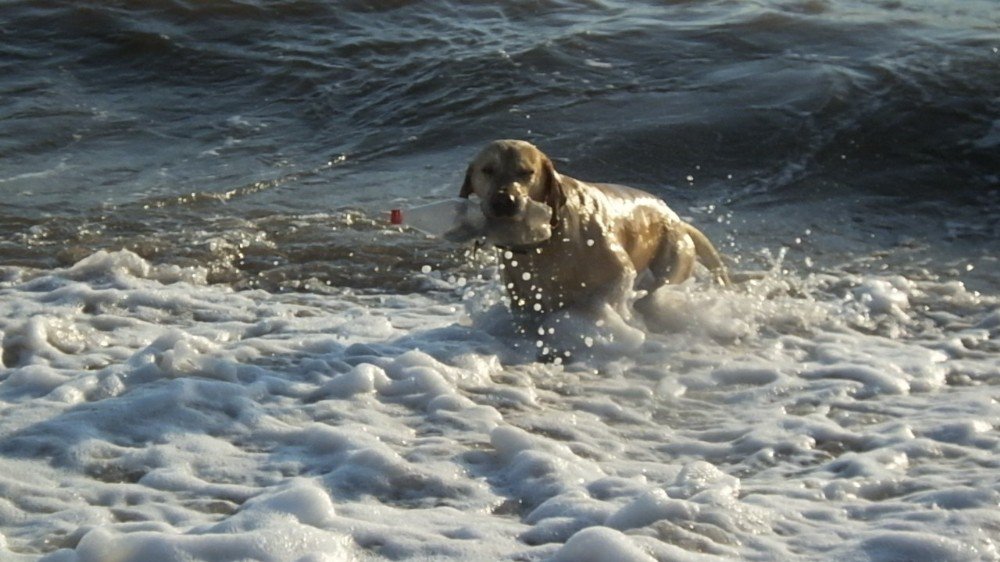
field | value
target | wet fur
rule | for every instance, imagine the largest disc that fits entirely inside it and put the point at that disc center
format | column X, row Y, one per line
column 603, row 235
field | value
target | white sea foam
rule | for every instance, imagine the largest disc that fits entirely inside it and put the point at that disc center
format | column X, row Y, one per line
column 148, row 415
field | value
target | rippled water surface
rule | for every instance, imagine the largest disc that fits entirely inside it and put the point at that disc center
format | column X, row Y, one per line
column 132, row 121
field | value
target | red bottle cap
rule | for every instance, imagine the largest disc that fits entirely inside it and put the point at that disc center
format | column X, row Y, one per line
column 396, row 216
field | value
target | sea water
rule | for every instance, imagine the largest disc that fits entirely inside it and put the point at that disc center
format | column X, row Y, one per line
column 214, row 348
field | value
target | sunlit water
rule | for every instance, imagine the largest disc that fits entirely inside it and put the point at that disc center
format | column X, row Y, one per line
column 215, row 348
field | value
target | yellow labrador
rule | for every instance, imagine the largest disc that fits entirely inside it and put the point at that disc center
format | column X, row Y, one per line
column 602, row 235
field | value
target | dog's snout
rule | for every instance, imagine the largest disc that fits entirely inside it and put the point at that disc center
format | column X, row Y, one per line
column 504, row 204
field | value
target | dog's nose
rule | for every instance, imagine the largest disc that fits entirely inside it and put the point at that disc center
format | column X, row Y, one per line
column 504, row 204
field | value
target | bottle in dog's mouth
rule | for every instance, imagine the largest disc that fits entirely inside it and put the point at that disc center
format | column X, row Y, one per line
column 463, row 220
column 529, row 227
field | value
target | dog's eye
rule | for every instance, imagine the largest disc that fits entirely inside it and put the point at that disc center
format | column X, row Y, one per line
column 487, row 170
column 525, row 173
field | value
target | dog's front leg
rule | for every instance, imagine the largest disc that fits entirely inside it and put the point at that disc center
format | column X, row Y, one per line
column 618, row 292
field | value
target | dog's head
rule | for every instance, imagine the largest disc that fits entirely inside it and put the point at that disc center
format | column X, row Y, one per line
column 507, row 173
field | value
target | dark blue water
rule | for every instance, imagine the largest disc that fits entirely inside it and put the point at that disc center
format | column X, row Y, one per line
column 264, row 140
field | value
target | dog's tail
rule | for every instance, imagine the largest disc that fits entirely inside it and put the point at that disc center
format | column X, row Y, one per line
column 709, row 256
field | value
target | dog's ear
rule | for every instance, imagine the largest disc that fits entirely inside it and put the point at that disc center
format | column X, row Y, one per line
column 466, row 190
column 555, row 195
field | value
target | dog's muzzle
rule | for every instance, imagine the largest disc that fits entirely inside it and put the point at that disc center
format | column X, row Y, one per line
column 504, row 205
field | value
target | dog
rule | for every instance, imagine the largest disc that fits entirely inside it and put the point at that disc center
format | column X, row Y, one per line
column 603, row 235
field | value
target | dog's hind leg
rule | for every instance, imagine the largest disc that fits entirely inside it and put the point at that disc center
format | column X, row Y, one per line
column 674, row 260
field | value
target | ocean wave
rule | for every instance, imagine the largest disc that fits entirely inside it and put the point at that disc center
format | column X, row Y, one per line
column 160, row 414
column 176, row 111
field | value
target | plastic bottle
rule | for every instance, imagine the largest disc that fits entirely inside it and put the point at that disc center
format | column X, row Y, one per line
column 461, row 220
column 456, row 220
column 528, row 228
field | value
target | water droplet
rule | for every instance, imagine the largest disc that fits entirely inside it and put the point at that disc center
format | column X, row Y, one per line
column 424, row 269
column 526, row 276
